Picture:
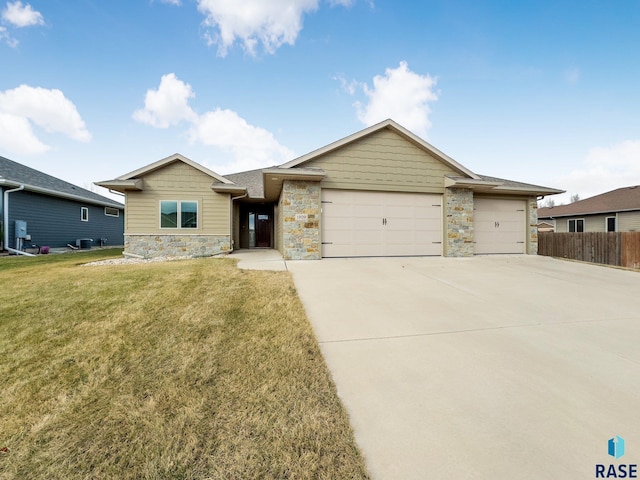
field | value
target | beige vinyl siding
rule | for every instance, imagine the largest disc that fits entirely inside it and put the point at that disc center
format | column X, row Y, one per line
column 629, row 221
column 177, row 181
column 383, row 161
column 598, row 223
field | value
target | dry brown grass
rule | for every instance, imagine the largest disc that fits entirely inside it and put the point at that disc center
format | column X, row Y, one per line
column 190, row 370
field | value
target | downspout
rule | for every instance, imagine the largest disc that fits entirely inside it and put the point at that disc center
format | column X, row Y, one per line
column 5, row 206
column 231, row 218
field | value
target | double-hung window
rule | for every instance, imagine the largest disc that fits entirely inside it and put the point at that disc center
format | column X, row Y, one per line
column 576, row 225
column 178, row 214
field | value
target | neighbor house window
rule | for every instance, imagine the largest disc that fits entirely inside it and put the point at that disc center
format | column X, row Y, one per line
column 178, row 214
column 84, row 214
column 611, row 224
column 111, row 212
column 576, row 225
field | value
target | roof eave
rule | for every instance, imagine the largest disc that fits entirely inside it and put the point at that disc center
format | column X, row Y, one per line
column 599, row 212
column 273, row 178
column 55, row 193
column 122, row 185
column 226, row 188
column 497, row 187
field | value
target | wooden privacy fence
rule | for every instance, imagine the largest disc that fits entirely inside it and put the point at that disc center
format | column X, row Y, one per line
column 610, row 248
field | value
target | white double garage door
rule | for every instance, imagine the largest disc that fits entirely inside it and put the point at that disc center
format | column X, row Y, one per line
column 371, row 224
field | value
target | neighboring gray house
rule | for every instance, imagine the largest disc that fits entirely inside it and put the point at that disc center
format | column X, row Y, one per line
column 56, row 212
column 614, row 211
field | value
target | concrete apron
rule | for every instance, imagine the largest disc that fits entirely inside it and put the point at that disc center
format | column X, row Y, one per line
column 487, row 367
column 259, row 259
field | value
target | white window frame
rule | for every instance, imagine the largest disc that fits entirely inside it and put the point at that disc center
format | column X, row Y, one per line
column 84, row 214
column 615, row 224
column 179, row 215
column 117, row 212
column 576, row 220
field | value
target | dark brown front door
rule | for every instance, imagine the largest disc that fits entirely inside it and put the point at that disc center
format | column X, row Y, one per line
column 263, row 231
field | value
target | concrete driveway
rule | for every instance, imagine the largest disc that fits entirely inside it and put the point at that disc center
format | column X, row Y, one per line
column 496, row 367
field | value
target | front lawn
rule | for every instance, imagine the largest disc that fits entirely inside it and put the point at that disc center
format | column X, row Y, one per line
column 190, row 369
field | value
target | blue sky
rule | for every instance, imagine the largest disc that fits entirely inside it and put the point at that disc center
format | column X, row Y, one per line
column 544, row 92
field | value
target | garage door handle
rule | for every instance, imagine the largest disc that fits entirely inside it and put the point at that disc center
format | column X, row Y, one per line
column 327, row 243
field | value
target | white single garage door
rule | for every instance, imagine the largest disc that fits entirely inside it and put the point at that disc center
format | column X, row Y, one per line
column 499, row 225
column 371, row 224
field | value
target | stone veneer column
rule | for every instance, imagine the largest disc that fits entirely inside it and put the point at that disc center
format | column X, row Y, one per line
column 532, row 215
column 458, row 210
column 300, row 212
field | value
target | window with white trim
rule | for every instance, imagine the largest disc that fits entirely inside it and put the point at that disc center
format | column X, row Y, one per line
column 576, row 225
column 611, row 224
column 178, row 214
column 84, row 214
column 111, row 212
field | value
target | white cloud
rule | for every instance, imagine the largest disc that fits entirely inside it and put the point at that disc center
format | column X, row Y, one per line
column 4, row 36
column 177, row 3
column 604, row 169
column 348, row 86
column 249, row 146
column 168, row 105
column 21, row 15
column 271, row 23
column 46, row 108
column 401, row 95
column 16, row 135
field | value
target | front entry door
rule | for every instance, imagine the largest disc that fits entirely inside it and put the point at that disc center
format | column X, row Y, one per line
column 263, row 231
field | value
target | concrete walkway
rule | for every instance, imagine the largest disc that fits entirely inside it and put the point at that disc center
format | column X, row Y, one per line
column 498, row 367
column 259, row 259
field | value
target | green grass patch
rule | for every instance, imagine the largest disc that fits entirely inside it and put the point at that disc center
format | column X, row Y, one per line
column 189, row 370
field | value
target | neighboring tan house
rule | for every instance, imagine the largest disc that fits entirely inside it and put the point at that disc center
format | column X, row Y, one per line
column 55, row 213
column 382, row 191
column 614, row 211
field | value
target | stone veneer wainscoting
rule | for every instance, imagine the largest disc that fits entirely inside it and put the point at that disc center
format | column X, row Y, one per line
column 149, row 246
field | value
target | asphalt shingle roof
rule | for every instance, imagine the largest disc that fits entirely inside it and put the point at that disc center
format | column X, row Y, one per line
column 621, row 199
column 251, row 179
column 512, row 183
column 20, row 174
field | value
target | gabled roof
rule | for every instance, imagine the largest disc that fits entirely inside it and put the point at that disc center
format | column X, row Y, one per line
column 395, row 127
column 176, row 157
column 619, row 200
column 14, row 174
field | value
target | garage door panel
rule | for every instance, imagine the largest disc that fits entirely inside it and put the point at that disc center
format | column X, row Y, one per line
column 380, row 224
column 499, row 226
